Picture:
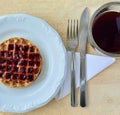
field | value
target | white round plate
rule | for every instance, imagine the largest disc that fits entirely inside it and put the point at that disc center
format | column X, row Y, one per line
column 53, row 52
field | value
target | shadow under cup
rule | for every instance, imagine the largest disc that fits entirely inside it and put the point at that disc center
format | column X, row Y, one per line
column 104, row 29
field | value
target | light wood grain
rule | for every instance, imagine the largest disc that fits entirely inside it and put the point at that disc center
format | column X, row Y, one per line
column 104, row 89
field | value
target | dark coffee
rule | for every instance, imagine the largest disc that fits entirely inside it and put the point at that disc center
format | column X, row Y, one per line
column 106, row 32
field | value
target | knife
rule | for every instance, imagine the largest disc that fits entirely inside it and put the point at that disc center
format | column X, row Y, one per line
column 83, row 35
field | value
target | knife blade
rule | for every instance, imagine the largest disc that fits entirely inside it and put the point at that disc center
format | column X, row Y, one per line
column 83, row 35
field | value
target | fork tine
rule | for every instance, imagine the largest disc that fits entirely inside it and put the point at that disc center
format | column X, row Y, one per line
column 74, row 30
column 68, row 31
column 71, row 30
column 77, row 31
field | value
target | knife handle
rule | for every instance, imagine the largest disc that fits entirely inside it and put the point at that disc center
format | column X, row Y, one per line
column 83, row 81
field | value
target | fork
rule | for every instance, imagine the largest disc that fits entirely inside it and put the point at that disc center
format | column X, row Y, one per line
column 72, row 40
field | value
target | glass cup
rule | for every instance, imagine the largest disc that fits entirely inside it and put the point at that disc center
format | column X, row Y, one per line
column 104, row 29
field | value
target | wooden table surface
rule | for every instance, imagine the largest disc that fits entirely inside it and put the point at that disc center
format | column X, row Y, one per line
column 104, row 89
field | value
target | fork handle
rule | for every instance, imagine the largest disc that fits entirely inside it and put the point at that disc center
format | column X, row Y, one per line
column 73, row 84
column 83, row 81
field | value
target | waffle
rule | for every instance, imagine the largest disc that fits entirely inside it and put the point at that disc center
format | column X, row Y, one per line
column 20, row 62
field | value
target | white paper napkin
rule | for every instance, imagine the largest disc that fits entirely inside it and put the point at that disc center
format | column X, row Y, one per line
column 95, row 64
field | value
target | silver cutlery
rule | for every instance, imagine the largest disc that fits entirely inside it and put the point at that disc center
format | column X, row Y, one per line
column 83, row 35
column 72, row 40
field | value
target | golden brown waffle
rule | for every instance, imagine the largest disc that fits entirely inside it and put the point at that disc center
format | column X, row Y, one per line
column 20, row 62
